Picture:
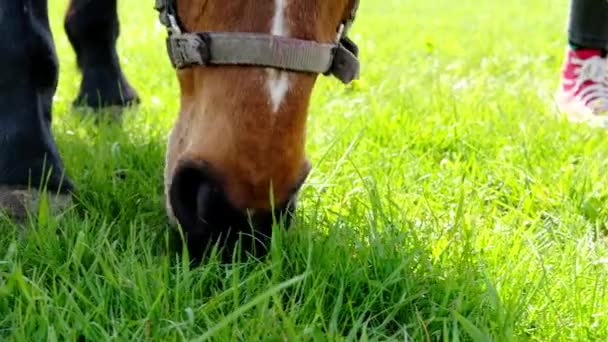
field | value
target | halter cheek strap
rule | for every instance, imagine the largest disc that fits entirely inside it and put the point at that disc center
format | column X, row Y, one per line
column 186, row 49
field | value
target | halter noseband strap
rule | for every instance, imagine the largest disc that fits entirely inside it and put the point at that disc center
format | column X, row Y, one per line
column 186, row 49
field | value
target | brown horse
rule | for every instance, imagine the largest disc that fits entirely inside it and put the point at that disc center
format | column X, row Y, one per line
column 238, row 145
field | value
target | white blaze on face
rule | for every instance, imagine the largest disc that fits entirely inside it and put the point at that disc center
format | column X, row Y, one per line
column 278, row 81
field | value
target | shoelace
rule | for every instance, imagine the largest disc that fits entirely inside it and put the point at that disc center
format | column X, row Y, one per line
column 595, row 71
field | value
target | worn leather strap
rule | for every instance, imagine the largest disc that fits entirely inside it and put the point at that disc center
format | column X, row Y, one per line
column 256, row 49
column 252, row 49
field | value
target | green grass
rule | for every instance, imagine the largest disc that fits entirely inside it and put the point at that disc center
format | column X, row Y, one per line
column 447, row 202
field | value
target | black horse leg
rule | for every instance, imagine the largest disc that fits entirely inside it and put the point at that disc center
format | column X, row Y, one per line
column 28, row 80
column 92, row 27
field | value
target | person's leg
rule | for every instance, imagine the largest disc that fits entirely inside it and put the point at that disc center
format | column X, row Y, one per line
column 92, row 27
column 583, row 91
column 588, row 24
column 28, row 80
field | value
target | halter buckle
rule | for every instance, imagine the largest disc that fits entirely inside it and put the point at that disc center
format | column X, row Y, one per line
column 188, row 49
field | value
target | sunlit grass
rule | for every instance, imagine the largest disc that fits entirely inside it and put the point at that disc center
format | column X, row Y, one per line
column 447, row 202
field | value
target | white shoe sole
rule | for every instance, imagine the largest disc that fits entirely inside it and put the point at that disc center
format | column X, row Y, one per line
column 578, row 112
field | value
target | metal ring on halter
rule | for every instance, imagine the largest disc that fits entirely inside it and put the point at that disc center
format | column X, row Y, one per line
column 340, row 34
column 174, row 28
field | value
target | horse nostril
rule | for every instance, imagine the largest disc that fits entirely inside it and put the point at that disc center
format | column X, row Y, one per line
column 190, row 194
column 203, row 199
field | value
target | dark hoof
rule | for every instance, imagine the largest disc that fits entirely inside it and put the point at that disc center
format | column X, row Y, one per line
column 17, row 202
column 99, row 101
column 102, row 89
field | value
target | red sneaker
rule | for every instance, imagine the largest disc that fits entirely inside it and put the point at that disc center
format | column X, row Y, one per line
column 583, row 91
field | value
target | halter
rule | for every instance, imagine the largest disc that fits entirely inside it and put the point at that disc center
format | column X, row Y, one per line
column 188, row 49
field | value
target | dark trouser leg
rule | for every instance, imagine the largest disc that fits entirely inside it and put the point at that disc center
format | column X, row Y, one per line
column 588, row 25
column 28, row 80
column 92, row 27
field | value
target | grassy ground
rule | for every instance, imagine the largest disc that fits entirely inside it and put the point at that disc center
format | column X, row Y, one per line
column 447, row 202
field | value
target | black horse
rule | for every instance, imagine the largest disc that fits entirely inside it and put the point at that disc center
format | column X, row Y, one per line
column 28, row 81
